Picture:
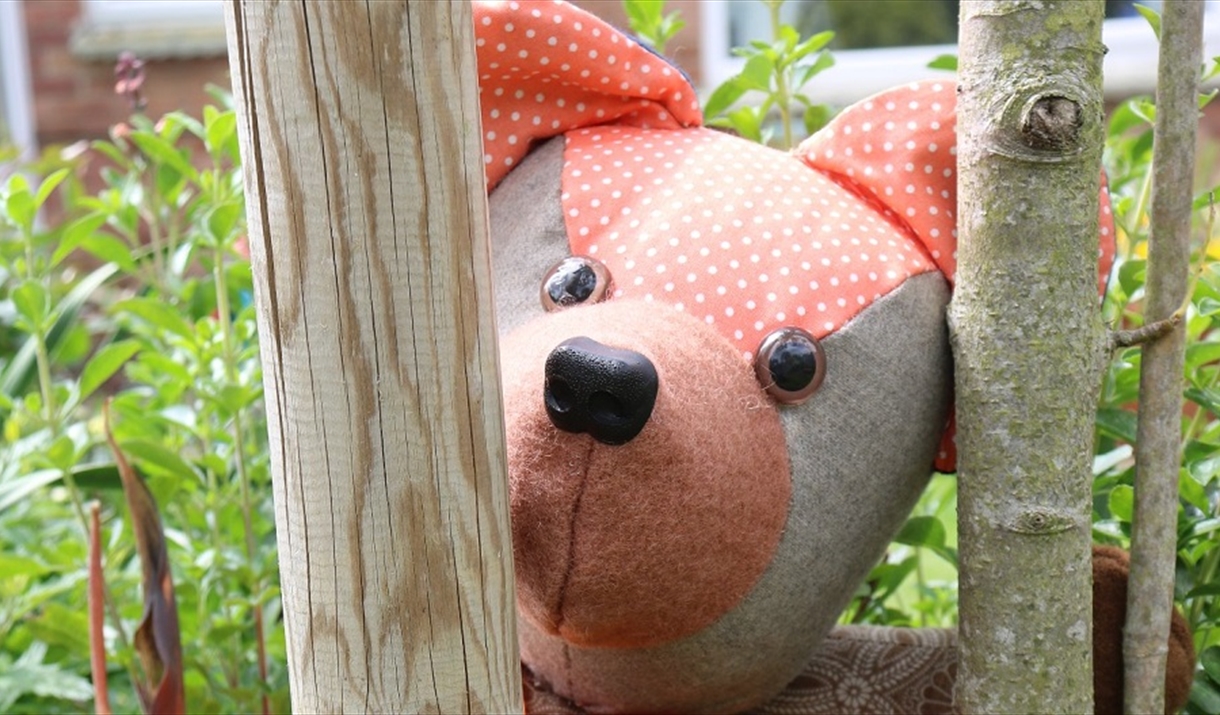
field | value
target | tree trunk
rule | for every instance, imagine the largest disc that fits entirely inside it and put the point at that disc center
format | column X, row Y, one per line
column 360, row 137
column 1158, row 456
column 1028, row 345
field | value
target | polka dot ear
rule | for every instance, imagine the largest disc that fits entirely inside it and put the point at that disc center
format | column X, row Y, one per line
column 573, row 281
column 900, row 147
column 790, row 365
column 545, row 69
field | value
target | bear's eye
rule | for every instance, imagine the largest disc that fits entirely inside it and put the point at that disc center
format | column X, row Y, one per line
column 790, row 365
column 573, row 281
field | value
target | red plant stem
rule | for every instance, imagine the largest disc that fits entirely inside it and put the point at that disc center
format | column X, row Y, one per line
column 97, row 615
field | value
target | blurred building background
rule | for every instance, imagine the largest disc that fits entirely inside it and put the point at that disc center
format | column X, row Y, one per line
column 57, row 56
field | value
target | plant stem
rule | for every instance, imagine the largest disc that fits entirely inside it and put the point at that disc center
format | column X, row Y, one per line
column 42, row 357
column 239, row 442
column 782, row 100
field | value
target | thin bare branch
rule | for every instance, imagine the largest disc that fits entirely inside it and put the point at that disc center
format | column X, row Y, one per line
column 1146, row 333
column 1153, row 538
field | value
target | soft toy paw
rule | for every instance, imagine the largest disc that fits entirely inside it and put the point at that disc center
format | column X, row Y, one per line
column 726, row 370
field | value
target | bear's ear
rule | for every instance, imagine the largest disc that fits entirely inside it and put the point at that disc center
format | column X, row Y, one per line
column 899, row 148
column 547, row 69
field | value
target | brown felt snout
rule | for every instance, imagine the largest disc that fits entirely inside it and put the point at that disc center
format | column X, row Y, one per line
column 645, row 542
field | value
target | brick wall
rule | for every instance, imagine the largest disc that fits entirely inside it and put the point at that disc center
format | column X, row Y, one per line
column 74, row 98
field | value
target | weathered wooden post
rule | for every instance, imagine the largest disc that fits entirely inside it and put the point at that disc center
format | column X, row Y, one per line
column 360, row 136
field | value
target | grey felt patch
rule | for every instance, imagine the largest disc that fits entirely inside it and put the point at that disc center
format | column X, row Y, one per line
column 528, row 234
column 862, row 451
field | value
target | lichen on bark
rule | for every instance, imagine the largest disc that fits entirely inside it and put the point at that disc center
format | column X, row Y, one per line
column 1028, row 344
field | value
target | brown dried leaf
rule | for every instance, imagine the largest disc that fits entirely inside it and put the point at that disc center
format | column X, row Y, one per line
column 157, row 640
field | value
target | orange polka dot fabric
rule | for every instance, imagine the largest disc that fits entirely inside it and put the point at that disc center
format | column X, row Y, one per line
column 548, row 67
column 744, row 237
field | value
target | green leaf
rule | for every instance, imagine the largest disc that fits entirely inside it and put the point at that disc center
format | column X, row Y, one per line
column 110, row 249
column 815, row 117
column 944, row 62
column 757, row 73
column 1200, row 354
column 1152, row 16
column 1205, row 98
column 1191, row 491
column 74, row 233
column 1116, row 423
column 223, row 220
column 725, row 96
column 1209, row 589
column 1204, row 696
column 1204, row 397
column 1131, row 275
column 12, row 566
column 1122, row 502
column 922, row 531
column 812, row 44
column 1208, row 307
column 104, row 364
column 58, row 625
column 643, row 14
column 20, row 206
column 824, row 62
column 19, row 373
column 14, row 490
column 748, row 122
column 32, row 302
column 155, row 457
column 111, row 152
column 1210, row 660
column 191, row 124
column 48, row 185
column 162, row 152
column 788, row 37
column 156, row 313
column 1145, row 109
column 29, row 675
column 220, row 131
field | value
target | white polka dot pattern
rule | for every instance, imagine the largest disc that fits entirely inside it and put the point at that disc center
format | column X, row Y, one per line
column 548, row 67
column 745, row 237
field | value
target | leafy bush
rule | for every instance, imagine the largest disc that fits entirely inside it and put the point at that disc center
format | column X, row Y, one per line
column 136, row 294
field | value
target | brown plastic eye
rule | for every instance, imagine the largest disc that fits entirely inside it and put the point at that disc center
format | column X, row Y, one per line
column 790, row 365
column 573, row 281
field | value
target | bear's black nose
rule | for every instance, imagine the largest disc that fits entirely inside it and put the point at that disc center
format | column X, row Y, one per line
column 606, row 392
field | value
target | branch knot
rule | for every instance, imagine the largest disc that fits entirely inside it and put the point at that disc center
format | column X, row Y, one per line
column 1052, row 123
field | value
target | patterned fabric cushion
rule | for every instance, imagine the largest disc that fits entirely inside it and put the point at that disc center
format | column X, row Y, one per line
column 859, row 669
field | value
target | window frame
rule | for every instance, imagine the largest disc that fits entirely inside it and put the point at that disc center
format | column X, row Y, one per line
column 18, row 97
column 161, row 29
column 1129, row 69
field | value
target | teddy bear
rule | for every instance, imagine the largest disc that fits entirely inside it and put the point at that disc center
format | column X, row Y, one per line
column 727, row 380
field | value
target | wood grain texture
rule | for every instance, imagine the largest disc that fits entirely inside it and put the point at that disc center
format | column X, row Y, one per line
column 364, row 180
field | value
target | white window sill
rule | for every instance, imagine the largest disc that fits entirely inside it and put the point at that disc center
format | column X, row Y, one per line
column 1130, row 64
column 104, row 32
